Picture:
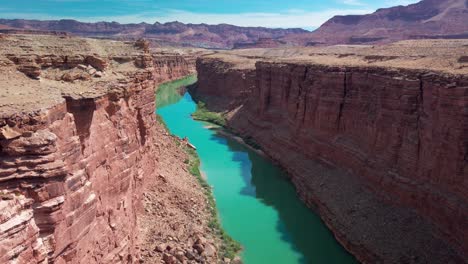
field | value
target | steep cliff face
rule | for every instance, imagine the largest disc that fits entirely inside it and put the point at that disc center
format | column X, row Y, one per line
column 78, row 177
column 72, row 168
column 226, row 86
column 400, row 133
column 172, row 66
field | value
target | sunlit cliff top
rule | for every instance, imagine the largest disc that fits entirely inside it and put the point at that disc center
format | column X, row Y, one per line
column 449, row 56
column 38, row 71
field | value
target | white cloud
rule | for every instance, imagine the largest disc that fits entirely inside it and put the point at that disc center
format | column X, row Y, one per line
column 289, row 19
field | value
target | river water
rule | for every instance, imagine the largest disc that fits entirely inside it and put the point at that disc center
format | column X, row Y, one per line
column 257, row 204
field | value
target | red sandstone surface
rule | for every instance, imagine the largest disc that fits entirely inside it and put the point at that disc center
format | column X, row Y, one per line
column 81, row 156
column 378, row 150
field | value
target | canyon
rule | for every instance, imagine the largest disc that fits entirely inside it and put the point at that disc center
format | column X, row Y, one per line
column 342, row 145
column 87, row 174
column 373, row 138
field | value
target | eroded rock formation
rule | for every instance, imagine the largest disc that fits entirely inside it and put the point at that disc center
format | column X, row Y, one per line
column 400, row 133
column 72, row 166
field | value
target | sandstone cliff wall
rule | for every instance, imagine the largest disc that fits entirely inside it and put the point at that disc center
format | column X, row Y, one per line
column 225, row 87
column 71, row 175
column 400, row 133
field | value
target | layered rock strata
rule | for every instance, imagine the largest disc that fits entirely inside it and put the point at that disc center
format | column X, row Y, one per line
column 75, row 151
column 379, row 152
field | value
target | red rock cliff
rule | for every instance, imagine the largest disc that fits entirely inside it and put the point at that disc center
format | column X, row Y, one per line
column 72, row 172
column 400, row 133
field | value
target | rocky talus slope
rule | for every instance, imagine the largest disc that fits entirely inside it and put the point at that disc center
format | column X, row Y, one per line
column 80, row 145
column 379, row 151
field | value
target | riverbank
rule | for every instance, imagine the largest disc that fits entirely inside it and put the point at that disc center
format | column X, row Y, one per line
column 225, row 132
column 226, row 248
column 203, row 114
column 229, row 248
column 219, row 122
column 176, row 218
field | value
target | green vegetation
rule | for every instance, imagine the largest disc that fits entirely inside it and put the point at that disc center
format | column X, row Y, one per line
column 203, row 114
column 161, row 121
column 168, row 93
column 229, row 247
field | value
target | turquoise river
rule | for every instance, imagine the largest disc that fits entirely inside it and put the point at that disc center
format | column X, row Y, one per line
column 257, row 205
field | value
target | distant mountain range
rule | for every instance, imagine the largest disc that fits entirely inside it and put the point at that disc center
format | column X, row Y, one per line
column 426, row 19
column 174, row 33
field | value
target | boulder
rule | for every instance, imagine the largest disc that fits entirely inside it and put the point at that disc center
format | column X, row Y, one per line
column 199, row 248
column 92, row 71
column 236, row 260
column 7, row 132
column 97, row 62
column 161, row 247
column 74, row 75
column 179, row 255
column 169, row 259
column 200, row 240
column 210, row 250
column 189, row 255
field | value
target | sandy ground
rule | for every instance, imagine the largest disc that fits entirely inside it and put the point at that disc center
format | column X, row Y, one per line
column 432, row 55
column 19, row 92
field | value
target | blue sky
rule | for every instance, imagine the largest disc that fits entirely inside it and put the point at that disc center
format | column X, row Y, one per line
column 307, row 14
